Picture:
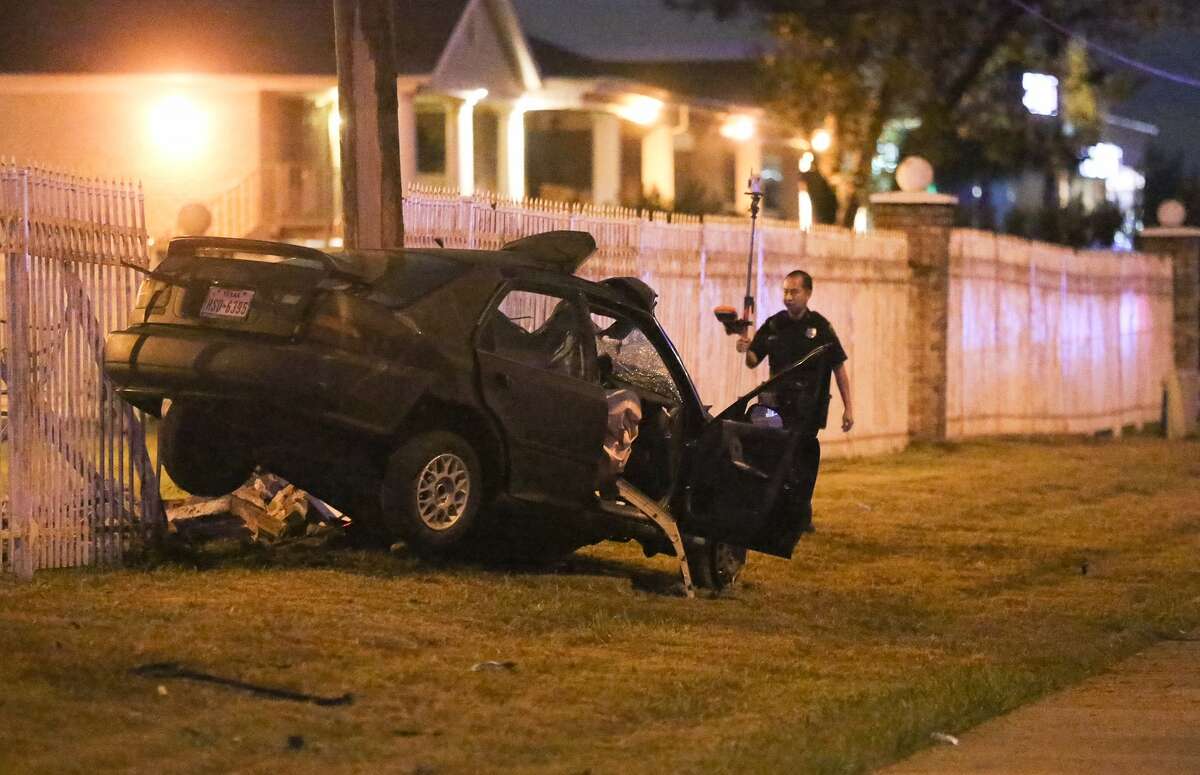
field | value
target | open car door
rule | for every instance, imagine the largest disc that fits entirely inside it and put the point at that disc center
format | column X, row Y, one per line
column 743, row 481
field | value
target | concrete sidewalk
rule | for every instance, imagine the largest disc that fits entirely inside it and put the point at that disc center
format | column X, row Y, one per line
column 1143, row 716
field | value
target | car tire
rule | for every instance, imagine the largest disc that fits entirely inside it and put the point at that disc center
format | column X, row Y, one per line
column 715, row 565
column 432, row 492
column 195, row 449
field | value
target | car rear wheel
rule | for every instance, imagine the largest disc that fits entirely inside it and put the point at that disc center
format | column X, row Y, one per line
column 196, row 448
column 715, row 565
column 432, row 493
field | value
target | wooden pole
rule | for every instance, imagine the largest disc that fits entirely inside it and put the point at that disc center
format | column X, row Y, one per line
column 372, row 212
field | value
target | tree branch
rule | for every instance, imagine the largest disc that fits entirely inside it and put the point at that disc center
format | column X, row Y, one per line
column 958, row 87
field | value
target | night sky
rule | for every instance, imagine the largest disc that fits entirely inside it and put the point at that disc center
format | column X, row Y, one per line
column 1174, row 108
column 639, row 29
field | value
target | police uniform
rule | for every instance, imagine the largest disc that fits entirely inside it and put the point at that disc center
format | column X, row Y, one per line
column 803, row 403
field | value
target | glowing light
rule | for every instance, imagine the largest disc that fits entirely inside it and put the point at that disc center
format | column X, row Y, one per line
column 806, row 161
column 806, row 211
column 977, row 192
column 473, row 96
column 739, row 128
column 1041, row 94
column 179, row 127
column 822, row 141
column 336, row 242
column 640, row 109
column 861, row 220
column 1103, row 161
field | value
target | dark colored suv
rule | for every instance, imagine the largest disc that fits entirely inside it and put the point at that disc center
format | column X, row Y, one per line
column 461, row 400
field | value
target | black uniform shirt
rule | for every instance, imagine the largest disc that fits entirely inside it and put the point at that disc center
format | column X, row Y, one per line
column 783, row 341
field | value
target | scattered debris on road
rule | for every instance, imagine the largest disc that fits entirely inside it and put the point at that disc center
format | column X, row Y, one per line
column 942, row 737
column 266, row 508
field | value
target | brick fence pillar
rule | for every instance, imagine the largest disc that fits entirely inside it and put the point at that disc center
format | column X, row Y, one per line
column 926, row 219
column 1182, row 244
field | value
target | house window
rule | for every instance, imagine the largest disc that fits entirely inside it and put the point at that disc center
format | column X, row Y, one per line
column 559, row 155
column 431, row 142
column 772, row 182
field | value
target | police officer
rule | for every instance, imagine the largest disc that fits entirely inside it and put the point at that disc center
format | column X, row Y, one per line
column 803, row 403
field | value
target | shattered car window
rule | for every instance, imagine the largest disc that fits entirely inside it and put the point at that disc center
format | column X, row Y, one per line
column 634, row 359
column 538, row 330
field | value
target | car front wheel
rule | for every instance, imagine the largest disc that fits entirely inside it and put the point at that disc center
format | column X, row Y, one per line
column 432, row 493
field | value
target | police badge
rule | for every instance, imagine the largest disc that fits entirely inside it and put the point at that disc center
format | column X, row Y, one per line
column 811, row 333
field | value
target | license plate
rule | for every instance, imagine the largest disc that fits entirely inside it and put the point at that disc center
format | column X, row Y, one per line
column 226, row 303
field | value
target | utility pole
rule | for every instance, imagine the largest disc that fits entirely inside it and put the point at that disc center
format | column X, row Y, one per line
column 372, row 213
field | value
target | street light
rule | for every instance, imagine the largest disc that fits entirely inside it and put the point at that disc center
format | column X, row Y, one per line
column 179, row 127
column 739, row 128
column 822, row 140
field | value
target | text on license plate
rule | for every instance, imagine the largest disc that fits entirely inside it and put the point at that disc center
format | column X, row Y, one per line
column 226, row 303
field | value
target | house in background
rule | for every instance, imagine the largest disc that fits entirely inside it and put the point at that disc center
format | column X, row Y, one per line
column 235, row 107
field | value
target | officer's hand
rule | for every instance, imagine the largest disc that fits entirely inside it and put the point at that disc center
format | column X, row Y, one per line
column 743, row 343
column 847, row 421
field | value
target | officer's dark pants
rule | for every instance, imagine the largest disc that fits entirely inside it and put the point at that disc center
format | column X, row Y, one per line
column 806, row 460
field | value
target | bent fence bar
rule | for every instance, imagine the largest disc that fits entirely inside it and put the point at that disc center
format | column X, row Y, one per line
column 76, row 484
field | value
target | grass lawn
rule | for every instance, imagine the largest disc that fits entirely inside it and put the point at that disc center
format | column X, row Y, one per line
column 945, row 585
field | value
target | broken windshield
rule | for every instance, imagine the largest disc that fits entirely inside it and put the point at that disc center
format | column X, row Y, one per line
column 635, row 361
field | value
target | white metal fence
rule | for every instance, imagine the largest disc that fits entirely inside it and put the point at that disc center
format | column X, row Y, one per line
column 1045, row 339
column 860, row 285
column 76, row 484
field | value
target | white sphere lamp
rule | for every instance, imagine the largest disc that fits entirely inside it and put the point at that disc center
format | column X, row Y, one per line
column 914, row 175
column 1171, row 214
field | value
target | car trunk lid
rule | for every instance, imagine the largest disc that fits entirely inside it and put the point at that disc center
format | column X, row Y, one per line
column 243, row 285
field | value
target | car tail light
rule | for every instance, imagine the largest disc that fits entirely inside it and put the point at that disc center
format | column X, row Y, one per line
column 153, row 295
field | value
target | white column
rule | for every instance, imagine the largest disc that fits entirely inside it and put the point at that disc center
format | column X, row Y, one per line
column 452, row 142
column 747, row 161
column 510, row 156
column 606, row 159
column 407, row 119
column 658, row 164
column 465, row 150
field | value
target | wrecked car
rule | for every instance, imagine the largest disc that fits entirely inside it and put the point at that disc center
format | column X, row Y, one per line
column 458, row 400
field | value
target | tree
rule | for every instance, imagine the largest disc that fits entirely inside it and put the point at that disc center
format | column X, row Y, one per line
column 954, row 65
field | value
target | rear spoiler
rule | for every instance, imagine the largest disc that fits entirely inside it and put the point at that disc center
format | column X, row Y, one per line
column 191, row 246
column 563, row 250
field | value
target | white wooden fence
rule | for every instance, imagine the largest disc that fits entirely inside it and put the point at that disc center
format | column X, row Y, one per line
column 1045, row 339
column 76, row 484
column 860, row 285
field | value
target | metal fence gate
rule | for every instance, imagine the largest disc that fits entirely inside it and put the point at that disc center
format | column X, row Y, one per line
column 76, row 483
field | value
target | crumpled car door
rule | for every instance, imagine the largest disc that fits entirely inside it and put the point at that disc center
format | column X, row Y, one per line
column 743, row 485
column 554, row 418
